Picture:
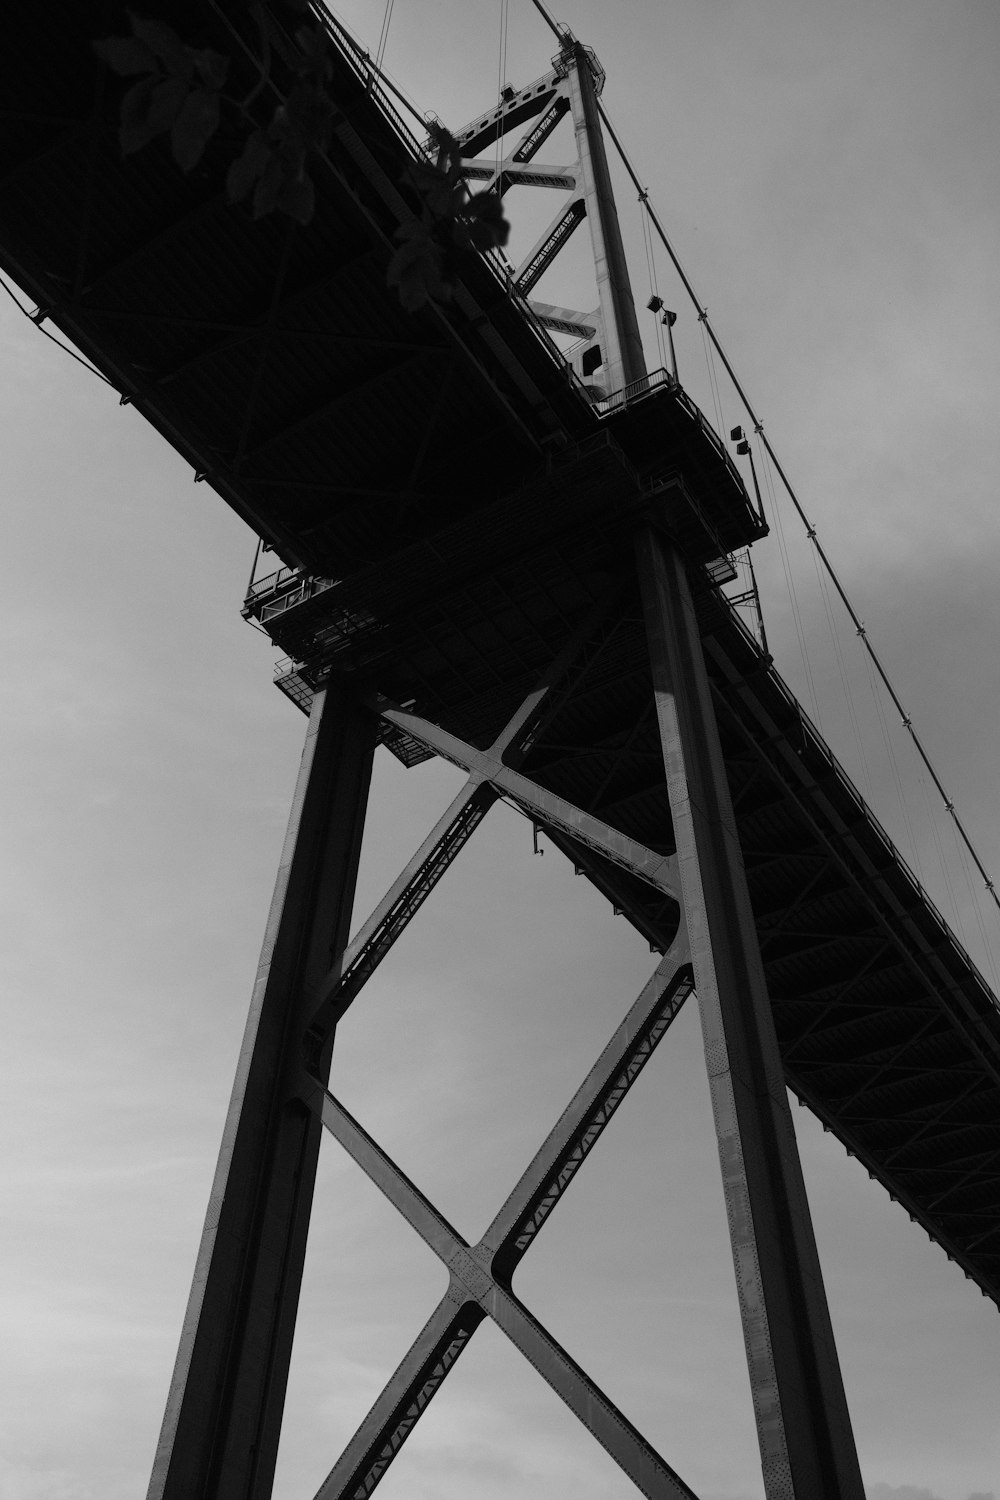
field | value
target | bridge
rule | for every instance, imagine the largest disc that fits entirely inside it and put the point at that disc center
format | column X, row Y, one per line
column 496, row 614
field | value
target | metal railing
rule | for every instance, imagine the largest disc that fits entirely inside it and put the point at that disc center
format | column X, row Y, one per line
column 809, row 732
column 271, row 582
column 371, row 76
column 500, row 267
column 656, row 380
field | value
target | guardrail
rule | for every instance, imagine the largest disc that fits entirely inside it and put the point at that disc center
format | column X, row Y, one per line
column 655, row 380
column 371, row 77
column 272, row 582
column 302, row 587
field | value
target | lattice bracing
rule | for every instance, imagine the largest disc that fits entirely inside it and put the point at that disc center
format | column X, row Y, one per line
column 550, row 620
column 607, row 337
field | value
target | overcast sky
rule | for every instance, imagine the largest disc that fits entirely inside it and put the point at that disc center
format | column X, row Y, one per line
column 829, row 176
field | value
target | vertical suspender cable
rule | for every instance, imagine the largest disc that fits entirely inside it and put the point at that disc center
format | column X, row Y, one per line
column 501, row 80
column 384, row 33
column 758, row 427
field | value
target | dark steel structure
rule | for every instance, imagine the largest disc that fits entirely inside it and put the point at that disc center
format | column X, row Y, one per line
column 549, row 619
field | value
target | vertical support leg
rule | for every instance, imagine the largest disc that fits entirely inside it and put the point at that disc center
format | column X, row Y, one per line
column 803, row 1426
column 623, row 356
column 220, row 1433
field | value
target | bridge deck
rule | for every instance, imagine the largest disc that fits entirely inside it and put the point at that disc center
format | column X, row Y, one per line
column 459, row 507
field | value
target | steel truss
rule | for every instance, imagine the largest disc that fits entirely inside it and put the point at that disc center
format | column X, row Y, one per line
column 220, row 1434
column 609, row 334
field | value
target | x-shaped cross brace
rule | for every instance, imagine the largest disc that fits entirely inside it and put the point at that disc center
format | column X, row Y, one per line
column 223, row 1415
column 480, row 1274
column 492, row 774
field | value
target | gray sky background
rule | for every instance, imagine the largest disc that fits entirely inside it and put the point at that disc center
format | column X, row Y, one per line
column 828, row 174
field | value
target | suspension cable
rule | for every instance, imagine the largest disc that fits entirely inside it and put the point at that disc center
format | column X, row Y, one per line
column 330, row 19
column 655, row 301
column 501, row 78
column 384, row 34
column 758, row 427
column 552, row 25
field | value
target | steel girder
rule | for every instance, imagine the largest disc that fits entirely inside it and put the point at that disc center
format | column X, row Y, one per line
column 572, row 88
column 220, row 1434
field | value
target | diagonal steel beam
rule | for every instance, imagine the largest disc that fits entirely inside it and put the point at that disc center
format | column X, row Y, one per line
column 499, row 120
column 399, row 906
column 624, row 1443
column 569, row 1142
column 403, row 1401
column 658, row 869
column 410, row 890
column 541, row 255
column 480, row 1275
column 655, row 920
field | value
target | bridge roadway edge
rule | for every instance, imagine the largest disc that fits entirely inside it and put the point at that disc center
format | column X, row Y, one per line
column 887, row 1031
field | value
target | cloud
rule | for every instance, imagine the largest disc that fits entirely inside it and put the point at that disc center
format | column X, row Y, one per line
column 21, row 1481
column 914, row 1492
column 899, row 1492
column 729, row 1495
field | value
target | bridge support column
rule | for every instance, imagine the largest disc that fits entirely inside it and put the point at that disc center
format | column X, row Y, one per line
column 220, row 1433
column 803, row 1426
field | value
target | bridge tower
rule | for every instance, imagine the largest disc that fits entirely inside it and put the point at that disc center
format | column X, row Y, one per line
column 224, row 1413
column 490, row 556
column 220, row 1432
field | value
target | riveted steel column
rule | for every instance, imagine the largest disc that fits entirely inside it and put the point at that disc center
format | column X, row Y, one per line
column 623, row 355
column 220, row 1433
column 803, row 1426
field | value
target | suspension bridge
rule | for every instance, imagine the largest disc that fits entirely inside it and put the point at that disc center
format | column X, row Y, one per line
column 557, row 625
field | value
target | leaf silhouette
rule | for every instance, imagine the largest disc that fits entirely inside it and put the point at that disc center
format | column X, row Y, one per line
column 134, row 130
column 125, row 55
column 195, row 124
column 416, row 269
column 163, row 40
column 298, row 198
column 269, row 185
column 247, row 167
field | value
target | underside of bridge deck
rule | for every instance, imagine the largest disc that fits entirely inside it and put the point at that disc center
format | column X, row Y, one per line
column 449, row 507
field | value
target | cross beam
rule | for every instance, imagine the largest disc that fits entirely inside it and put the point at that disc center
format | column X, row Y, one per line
column 220, row 1434
column 480, row 1275
column 611, row 332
